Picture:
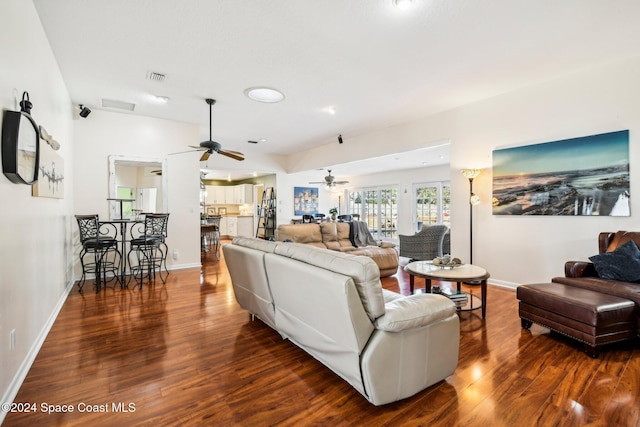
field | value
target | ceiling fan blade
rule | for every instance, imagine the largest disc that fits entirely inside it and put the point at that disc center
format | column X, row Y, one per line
column 199, row 148
column 237, row 153
column 341, row 182
column 232, row 155
column 317, row 182
column 205, row 156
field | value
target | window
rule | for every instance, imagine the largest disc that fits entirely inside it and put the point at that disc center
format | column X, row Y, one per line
column 432, row 203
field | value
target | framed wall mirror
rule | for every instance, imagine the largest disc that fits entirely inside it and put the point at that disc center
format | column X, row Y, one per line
column 20, row 147
column 143, row 180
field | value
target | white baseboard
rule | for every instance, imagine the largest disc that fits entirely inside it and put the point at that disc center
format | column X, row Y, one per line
column 504, row 284
column 23, row 370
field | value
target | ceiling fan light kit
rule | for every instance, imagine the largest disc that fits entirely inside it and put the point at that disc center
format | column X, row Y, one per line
column 330, row 181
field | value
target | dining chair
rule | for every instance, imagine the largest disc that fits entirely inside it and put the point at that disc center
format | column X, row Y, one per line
column 344, row 218
column 100, row 242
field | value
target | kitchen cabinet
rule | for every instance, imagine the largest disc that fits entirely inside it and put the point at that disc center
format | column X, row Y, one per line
column 223, row 226
column 230, row 194
column 245, row 226
column 232, row 226
column 243, row 194
column 216, row 194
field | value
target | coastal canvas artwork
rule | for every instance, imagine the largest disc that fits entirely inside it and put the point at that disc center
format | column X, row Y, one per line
column 586, row 176
column 305, row 200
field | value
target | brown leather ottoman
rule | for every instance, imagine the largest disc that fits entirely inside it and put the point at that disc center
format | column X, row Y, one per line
column 591, row 317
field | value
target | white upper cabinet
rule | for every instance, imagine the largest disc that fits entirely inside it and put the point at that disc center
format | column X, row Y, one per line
column 229, row 195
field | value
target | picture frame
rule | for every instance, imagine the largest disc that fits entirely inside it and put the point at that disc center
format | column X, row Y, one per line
column 305, row 201
column 585, row 176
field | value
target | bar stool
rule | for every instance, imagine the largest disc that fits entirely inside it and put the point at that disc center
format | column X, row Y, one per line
column 210, row 231
column 147, row 241
column 99, row 242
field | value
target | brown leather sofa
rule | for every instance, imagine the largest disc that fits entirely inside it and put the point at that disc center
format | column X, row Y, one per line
column 582, row 274
column 335, row 236
column 583, row 305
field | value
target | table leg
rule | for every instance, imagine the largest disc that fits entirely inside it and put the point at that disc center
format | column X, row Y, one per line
column 412, row 280
column 123, row 263
column 483, row 292
column 427, row 285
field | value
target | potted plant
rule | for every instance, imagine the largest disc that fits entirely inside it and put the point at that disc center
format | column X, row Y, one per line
column 333, row 212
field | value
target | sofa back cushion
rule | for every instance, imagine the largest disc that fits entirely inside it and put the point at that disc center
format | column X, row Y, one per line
column 343, row 230
column 300, row 233
column 363, row 270
column 245, row 262
column 610, row 242
column 329, row 235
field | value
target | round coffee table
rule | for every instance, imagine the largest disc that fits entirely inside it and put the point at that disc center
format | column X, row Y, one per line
column 467, row 273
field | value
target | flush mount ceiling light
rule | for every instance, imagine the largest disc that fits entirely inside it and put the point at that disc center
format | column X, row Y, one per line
column 264, row 94
column 402, row 4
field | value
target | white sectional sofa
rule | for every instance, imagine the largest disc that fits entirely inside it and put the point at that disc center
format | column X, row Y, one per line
column 332, row 305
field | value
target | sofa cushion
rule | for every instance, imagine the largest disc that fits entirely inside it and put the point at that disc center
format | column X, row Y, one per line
column 621, row 264
column 300, row 233
column 415, row 311
column 329, row 235
column 259, row 244
column 363, row 270
column 343, row 230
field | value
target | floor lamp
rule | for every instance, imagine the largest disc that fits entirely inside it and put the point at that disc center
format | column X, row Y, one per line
column 470, row 174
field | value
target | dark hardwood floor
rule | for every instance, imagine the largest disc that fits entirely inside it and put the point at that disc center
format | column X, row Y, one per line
column 186, row 354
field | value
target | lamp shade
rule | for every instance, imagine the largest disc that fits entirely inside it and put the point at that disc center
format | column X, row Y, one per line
column 470, row 173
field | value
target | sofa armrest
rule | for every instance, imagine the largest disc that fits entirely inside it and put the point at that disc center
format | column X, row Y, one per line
column 414, row 311
column 580, row 269
column 387, row 245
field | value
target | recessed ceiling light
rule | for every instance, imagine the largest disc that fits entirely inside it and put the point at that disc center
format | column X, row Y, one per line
column 160, row 99
column 330, row 110
column 402, row 4
column 262, row 140
column 264, row 94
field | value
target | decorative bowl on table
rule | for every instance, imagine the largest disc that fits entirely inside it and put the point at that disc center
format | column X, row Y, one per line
column 446, row 262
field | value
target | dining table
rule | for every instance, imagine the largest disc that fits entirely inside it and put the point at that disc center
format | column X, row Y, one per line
column 124, row 225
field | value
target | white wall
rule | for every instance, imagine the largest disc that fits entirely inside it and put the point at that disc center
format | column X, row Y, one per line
column 107, row 133
column 519, row 249
column 36, row 233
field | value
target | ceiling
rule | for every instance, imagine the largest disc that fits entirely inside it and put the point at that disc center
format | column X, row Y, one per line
column 345, row 67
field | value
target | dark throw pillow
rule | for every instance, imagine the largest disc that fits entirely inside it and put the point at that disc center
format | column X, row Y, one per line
column 621, row 264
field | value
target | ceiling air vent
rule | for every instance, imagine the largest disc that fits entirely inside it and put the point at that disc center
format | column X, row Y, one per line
column 252, row 142
column 156, row 77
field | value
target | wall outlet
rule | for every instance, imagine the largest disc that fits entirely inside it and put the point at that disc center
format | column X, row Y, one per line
column 175, row 254
column 12, row 340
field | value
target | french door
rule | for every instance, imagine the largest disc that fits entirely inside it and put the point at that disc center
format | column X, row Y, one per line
column 432, row 203
column 378, row 207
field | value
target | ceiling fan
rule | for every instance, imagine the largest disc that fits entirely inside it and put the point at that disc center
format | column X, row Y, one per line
column 330, row 180
column 211, row 146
